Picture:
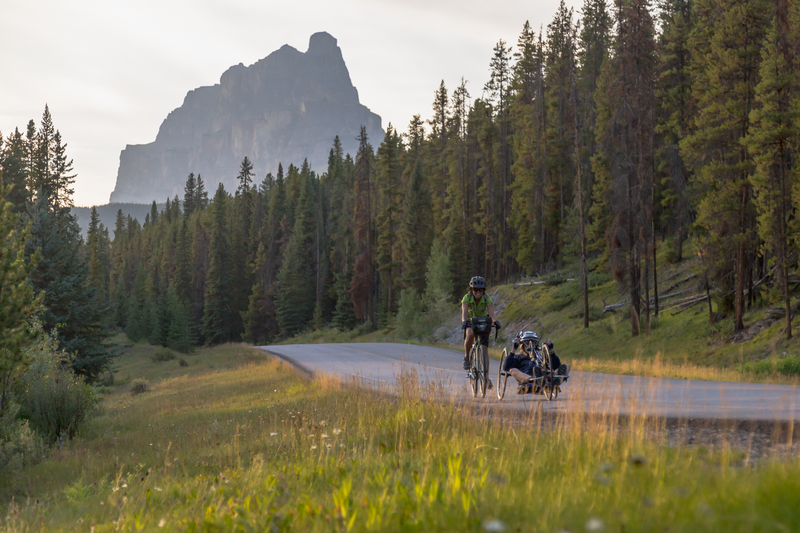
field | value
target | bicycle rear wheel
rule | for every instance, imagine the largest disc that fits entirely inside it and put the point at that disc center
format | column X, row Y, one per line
column 502, row 376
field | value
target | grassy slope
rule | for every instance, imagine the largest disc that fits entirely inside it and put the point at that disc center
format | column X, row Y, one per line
column 237, row 442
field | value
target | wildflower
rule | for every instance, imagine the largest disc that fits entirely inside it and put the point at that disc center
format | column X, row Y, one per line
column 324, row 435
column 494, row 525
column 337, row 431
column 422, row 420
column 595, row 524
column 162, row 523
column 328, row 446
column 272, row 434
column 313, row 446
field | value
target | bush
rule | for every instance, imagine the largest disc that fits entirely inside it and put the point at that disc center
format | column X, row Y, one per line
column 182, row 362
column 412, row 321
column 139, row 386
column 52, row 398
column 19, row 445
column 163, row 355
column 789, row 366
column 595, row 279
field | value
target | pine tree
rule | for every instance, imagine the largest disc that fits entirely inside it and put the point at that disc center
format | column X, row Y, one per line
column 773, row 137
column 388, row 180
column 19, row 304
column 362, row 284
column 71, row 303
column 189, row 196
column 673, row 111
column 414, row 233
column 217, row 325
column 726, row 41
column 13, row 161
column 294, row 297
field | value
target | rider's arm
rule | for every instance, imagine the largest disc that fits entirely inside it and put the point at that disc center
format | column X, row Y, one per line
column 464, row 311
column 490, row 310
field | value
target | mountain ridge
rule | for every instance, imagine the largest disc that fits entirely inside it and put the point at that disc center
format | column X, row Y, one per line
column 284, row 108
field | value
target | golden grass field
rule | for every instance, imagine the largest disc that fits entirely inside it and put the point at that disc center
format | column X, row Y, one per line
column 236, row 441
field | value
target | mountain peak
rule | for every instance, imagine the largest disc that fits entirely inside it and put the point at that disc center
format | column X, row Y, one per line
column 285, row 108
column 322, row 42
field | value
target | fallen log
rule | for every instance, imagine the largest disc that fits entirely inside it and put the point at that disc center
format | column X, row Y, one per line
column 686, row 306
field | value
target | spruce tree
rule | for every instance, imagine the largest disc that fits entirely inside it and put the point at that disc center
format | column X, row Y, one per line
column 726, row 43
column 19, row 303
column 217, row 319
column 72, row 304
column 189, row 196
column 773, row 139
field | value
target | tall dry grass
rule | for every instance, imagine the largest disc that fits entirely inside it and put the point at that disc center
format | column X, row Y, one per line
column 259, row 447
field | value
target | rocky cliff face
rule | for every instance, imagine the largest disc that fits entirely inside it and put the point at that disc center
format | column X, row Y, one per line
column 285, row 108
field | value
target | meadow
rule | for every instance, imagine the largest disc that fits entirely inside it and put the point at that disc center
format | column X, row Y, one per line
column 237, row 441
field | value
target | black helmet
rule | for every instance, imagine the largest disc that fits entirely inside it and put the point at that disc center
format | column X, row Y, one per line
column 477, row 282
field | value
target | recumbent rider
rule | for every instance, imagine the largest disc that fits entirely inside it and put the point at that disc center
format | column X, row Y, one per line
column 522, row 367
column 476, row 304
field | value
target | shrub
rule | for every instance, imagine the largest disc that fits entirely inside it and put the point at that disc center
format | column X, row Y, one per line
column 139, row 386
column 412, row 321
column 163, row 355
column 595, row 279
column 19, row 445
column 789, row 366
column 182, row 362
column 52, row 398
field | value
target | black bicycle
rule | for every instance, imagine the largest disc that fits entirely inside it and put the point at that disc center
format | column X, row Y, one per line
column 478, row 356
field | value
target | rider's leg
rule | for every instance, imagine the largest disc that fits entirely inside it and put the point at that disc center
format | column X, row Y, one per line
column 467, row 347
column 519, row 375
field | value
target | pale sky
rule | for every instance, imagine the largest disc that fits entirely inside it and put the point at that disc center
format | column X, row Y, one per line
column 111, row 70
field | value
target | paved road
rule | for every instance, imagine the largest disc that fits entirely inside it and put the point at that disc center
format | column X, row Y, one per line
column 382, row 363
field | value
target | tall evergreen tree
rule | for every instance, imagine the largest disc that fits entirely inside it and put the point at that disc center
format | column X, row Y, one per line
column 217, row 319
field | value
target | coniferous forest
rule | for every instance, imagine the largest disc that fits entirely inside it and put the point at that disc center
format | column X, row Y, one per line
column 612, row 134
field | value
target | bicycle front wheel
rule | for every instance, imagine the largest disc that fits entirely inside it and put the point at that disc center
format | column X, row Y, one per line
column 473, row 373
column 502, row 376
column 483, row 369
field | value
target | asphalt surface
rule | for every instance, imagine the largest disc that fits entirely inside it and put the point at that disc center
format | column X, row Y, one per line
column 382, row 363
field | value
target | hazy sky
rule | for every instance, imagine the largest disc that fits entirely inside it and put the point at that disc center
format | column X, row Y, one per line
column 112, row 70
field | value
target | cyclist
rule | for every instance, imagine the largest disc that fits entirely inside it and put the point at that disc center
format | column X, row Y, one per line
column 476, row 304
column 522, row 369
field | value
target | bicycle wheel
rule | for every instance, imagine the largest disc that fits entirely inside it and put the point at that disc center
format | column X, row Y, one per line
column 473, row 374
column 483, row 370
column 547, row 372
column 502, row 376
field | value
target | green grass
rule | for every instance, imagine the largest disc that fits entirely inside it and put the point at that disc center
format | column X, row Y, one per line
column 240, row 442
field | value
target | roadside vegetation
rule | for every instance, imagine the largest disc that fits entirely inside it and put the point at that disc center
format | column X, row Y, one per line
column 237, row 441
